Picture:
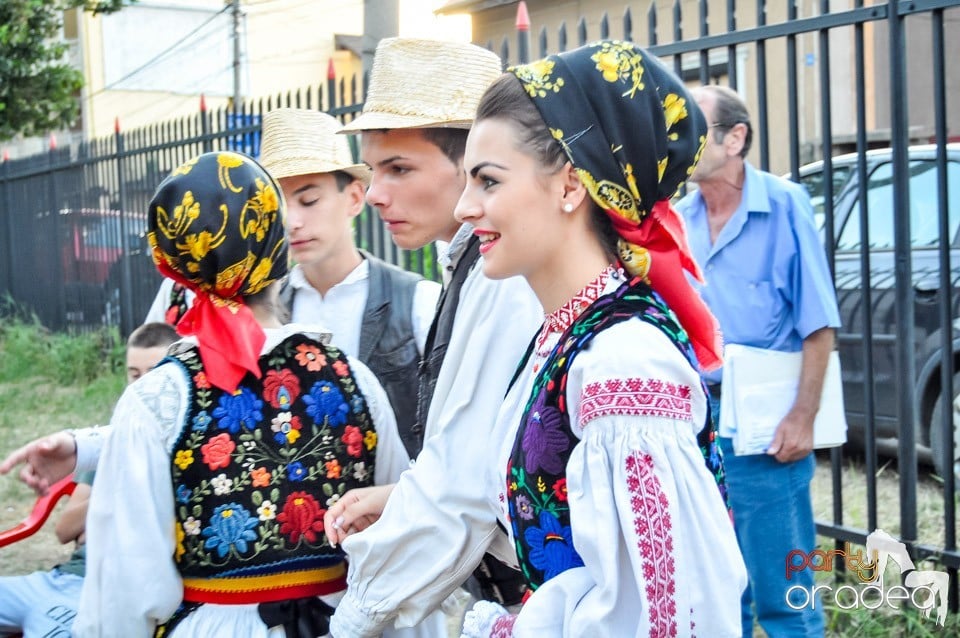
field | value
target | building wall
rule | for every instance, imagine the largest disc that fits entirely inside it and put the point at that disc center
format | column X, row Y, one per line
column 151, row 61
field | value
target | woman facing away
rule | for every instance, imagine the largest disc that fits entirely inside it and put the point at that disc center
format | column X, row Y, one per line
column 206, row 517
column 602, row 464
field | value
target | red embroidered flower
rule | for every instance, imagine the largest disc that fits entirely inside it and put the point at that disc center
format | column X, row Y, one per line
column 354, row 440
column 310, row 357
column 281, row 388
column 301, row 516
column 200, row 380
column 260, row 476
column 333, row 469
column 341, row 368
column 560, row 490
column 217, row 451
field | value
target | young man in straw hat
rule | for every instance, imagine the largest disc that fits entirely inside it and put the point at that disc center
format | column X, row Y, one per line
column 419, row 107
column 374, row 310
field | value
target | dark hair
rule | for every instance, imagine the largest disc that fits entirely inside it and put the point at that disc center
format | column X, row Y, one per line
column 343, row 179
column 729, row 110
column 267, row 299
column 506, row 100
column 452, row 141
column 155, row 334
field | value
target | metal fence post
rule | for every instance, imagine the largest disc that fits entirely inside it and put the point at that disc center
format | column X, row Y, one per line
column 903, row 276
column 126, row 282
column 8, row 216
column 523, row 33
column 59, row 321
column 206, row 141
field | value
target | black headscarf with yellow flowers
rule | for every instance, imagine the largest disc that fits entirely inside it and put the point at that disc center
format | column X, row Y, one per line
column 216, row 226
column 634, row 135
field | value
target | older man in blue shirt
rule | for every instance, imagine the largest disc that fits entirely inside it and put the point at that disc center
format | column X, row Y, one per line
column 769, row 285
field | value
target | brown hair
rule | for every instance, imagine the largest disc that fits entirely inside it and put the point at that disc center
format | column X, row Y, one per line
column 154, row 334
column 452, row 141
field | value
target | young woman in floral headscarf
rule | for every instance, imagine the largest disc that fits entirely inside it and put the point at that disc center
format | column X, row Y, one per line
column 207, row 513
column 603, row 465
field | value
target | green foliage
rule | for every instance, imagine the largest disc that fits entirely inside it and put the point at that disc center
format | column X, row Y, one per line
column 28, row 350
column 38, row 87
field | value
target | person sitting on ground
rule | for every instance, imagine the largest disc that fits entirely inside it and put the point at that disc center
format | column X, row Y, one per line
column 206, row 516
column 45, row 603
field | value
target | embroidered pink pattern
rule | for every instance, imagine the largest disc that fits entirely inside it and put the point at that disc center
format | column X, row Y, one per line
column 560, row 319
column 503, row 626
column 651, row 522
column 635, row 396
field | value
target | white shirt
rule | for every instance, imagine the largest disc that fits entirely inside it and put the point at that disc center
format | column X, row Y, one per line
column 341, row 310
column 453, row 524
column 636, row 406
column 132, row 583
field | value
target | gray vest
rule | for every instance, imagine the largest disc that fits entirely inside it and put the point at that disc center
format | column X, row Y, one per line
column 387, row 343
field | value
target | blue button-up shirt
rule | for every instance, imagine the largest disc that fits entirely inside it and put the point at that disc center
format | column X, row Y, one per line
column 767, row 279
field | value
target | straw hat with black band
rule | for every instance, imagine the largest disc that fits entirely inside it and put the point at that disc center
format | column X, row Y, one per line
column 304, row 142
column 418, row 83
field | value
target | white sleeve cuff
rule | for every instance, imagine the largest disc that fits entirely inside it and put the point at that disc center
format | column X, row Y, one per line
column 350, row 621
column 89, row 443
column 479, row 621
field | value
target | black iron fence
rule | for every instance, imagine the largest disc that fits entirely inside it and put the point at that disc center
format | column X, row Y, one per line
column 818, row 82
column 74, row 219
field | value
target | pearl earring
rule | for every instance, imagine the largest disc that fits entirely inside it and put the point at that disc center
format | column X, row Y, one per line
column 568, row 207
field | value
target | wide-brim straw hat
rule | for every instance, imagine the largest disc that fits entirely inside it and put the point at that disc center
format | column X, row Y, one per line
column 418, row 83
column 304, row 142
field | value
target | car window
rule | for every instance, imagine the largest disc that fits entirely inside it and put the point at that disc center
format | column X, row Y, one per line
column 814, row 183
column 924, row 227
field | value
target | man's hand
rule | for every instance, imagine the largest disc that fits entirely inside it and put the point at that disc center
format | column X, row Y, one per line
column 793, row 439
column 45, row 460
column 356, row 511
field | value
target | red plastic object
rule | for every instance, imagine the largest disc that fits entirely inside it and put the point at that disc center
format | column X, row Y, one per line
column 41, row 512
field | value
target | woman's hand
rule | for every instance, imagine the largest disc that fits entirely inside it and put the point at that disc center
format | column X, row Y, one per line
column 356, row 511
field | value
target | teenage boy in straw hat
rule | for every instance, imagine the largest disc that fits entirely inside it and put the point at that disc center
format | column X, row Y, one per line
column 374, row 310
column 420, row 104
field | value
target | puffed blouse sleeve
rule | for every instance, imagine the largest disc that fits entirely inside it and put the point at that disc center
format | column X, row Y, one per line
column 131, row 582
column 659, row 553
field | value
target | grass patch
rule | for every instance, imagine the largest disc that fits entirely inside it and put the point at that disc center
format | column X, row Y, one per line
column 48, row 382
column 885, row 622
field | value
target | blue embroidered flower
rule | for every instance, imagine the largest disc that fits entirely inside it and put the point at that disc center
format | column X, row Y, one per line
column 357, row 404
column 231, row 526
column 544, row 439
column 551, row 547
column 296, row 471
column 201, row 421
column 238, row 410
column 184, row 493
column 326, row 401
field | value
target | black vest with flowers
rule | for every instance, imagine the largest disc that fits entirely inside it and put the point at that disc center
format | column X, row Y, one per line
column 536, row 473
column 254, row 471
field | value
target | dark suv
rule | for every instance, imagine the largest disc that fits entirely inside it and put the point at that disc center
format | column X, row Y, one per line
column 924, row 206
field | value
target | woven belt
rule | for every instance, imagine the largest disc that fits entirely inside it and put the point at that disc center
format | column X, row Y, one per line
column 245, row 590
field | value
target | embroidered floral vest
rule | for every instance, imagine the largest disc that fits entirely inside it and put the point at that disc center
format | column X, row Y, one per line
column 255, row 471
column 536, row 473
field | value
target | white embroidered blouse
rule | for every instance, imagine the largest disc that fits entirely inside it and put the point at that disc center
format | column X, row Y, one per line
column 659, row 552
